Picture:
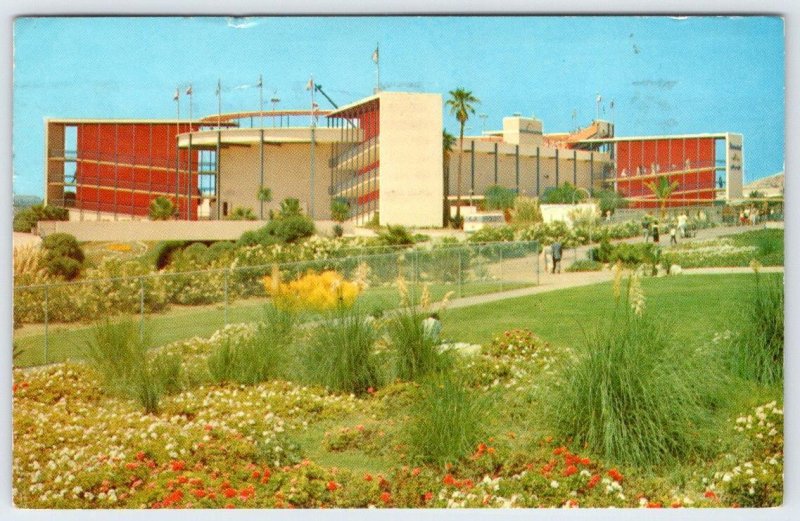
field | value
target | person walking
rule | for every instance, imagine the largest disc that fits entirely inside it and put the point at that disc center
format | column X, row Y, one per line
column 556, row 249
column 682, row 220
column 432, row 327
column 673, row 234
column 646, row 226
column 654, row 232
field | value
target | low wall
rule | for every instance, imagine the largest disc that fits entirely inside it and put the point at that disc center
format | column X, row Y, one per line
column 126, row 231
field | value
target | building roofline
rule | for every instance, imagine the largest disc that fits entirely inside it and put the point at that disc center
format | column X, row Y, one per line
column 345, row 108
column 718, row 135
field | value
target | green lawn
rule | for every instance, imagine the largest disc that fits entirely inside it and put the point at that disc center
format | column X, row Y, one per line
column 696, row 306
column 66, row 341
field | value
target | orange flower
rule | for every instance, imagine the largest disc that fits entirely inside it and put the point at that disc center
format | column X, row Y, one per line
column 559, row 450
column 593, row 481
column 229, row 492
column 449, row 480
column 386, row 498
column 427, row 496
column 572, row 469
column 332, row 485
column 710, row 495
column 654, row 504
column 367, row 477
column 140, row 456
column 615, row 475
column 177, row 465
column 416, row 471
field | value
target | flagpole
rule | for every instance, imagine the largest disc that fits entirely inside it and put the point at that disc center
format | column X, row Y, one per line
column 377, row 58
column 177, row 99
column 189, row 93
column 261, row 100
column 313, row 126
column 219, row 103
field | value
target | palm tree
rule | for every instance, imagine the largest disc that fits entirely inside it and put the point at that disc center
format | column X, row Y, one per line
column 461, row 104
column 662, row 190
column 448, row 140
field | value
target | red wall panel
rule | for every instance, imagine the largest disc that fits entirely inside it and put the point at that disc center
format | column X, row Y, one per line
column 115, row 160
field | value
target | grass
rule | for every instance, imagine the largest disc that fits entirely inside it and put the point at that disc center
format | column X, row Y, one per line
column 756, row 351
column 632, row 395
column 768, row 244
column 179, row 323
column 416, row 350
column 560, row 317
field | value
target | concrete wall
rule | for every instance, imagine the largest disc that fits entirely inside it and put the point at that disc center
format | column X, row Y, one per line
column 411, row 184
column 287, row 172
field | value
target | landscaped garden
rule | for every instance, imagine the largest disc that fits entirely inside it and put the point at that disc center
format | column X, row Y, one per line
column 614, row 394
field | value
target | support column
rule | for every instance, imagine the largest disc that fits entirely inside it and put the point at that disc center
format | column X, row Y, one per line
column 575, row 168
column 217, row 186
column 495, row 163
column 538, row 171
column 472, row 167
column 556, row 168
column 516, row 167
column 261, row 170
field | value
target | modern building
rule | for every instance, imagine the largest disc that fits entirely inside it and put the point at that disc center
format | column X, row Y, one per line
column 383, row 154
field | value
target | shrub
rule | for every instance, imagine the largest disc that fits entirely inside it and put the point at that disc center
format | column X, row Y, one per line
column 631, row 394
column 756, row 353
column 628, row 254
column 255, row 359
column 446, row 421
column 27, row 219
column 457, row 222
column 311, row 292
column 283, row 229
column 340, row 354
column 493, row 234
column 164, row 251
column 290, row 207
column 338, row 231
column 119, row 354
column 610, row 200
column 340, row 209
column 498, row 197
column 526, row 211
column 241, row 213
column 565, row 194
column 395, row 236
column 585, row 265
column 63, row 256
column 161, row 209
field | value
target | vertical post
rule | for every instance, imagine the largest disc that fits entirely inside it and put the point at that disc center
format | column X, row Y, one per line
column 472, row 167
column 556, row 168
column 538, row 157
column 591, row 174
column 495, row 163
column 575, row 168
column 460, row 271
column 537, row 263
column 226, row 296
column 501, row 268
column 46, row 318
column 261, row 155
column 141, row 309
column 516, row 167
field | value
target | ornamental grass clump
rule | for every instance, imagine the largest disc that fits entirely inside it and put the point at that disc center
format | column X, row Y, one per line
column 341, row 352
column 264, row 356
column 118, row 352
column 315, row 292
column 756, row 352
column 447, row 420
column 415, row 342
column 630, row 393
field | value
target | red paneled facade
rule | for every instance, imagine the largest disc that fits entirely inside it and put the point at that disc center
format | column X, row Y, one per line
column 690, row 161
column 123, row 166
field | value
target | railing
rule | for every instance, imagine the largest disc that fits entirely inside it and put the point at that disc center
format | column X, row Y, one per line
column 180, row 305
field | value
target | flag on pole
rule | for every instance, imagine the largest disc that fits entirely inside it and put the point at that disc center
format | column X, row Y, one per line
column 599, row 98
column 376, row 55
column 310, row 84
column 219, row 87
column 260, row 82
column 189, row 91
column 177, row 95
column 611, row 105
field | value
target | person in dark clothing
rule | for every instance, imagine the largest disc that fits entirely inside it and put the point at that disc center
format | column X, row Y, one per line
column 556, row 249
column 654, row 232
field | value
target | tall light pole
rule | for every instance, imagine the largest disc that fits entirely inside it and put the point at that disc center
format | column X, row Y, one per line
column 261, row 101
column 598, row 100
column 310, row 86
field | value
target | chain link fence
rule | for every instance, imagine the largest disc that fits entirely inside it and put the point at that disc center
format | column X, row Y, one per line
column 172, row 306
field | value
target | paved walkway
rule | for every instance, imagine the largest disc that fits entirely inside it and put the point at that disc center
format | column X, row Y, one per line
column 524, row 270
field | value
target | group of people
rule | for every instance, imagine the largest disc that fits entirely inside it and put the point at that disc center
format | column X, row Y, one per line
column 748, row 216
column 677, row 227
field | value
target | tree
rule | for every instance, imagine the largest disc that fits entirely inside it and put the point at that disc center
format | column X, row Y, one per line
column 662, row 189
column 63, row 256
column 340, row 212
column 265, row 194
column 462, row 104
column 290, row 207
column 161, row 209
column 448, row 140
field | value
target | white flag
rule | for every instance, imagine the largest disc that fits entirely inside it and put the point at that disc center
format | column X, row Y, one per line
column 177, row 95
column 599, row 98
column 375, row 55
column 310, row 84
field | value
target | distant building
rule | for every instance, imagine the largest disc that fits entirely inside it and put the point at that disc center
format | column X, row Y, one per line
column 383, row 154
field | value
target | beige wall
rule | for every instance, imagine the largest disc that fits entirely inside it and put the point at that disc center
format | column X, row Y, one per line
column 287, row 171
column 506, row 168
column 123, row 231
column 734, row 165
column 411, row 185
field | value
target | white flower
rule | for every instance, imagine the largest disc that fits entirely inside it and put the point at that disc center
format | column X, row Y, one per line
column 554, row 484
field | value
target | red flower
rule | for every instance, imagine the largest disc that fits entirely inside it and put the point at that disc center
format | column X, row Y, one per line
column 255, row 475
column 615, row 475
column 182, row 479
column 140, row 456
column 386, row 498
column 332, row 485
column 367, row 477
column 572, row 469
column 654, row 504
column 676, row 504
column 132, row 465
column 586, row 461
column 559, row 450
column 710, row 495
column 177, row 465
column 229, row 492
column 427, row 496
column 370, row 390
column 199, row 493
column 416, row 471
column 593, row 481
column 449, row 480
column 229, row 505
column 265, row 475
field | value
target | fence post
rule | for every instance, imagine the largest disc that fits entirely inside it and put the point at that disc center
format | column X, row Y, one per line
column 46, row 318
column 141, row 309
column 460, row 271
column 537, row 263
column 226, row 296
column 502, row 286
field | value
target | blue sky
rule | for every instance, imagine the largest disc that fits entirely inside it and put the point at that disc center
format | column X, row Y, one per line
column 665, row 75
